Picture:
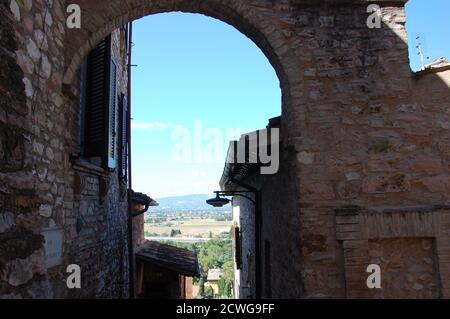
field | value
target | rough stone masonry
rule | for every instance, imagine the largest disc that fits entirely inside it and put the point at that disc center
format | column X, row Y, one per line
column 368, row 140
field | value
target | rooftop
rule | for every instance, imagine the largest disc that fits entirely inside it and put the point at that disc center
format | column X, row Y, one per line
column 239, row 171
column 214, row 274
column 143, row 199
column 179, row 260
column 438, row 65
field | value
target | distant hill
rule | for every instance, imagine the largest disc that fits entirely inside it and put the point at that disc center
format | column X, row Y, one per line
column 187, row 203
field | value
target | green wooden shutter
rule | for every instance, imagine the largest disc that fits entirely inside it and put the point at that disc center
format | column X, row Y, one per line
column 123, row 158
column 102, row 106
column 113, row 115
column 96, row 99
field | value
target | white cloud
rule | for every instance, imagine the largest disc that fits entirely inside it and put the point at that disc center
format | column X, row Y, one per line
column 151, row 125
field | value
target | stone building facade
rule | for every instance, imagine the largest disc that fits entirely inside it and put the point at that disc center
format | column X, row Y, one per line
column 243, row 249
column 49, row 192
column 280, row 272
column 366, row 143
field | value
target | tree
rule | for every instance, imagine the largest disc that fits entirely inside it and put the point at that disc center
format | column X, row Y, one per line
column 228, row 290
column 201, row 291
column 215, row 253
column 228, row 271
column 175, row 232
column 222, row 287
column 209, row 292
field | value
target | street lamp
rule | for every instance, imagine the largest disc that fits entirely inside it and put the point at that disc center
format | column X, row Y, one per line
column 220, row 201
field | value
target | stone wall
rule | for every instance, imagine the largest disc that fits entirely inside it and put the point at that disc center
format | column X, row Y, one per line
column 41, row 188
column 363, row 129
column 32, row 126
column 99, row 240
column 410, row 246
column 281, row 256
column 245, row 277
column 408, row 268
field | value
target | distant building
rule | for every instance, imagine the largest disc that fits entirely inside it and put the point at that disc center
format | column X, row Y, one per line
column 162, row 271
column 214, row 276
column 165, row 272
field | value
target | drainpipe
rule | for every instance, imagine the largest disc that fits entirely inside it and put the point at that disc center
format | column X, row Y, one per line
column 130, row 213
column 143, row 211
column 258, row 225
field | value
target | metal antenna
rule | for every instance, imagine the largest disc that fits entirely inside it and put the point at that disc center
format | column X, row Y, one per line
column 420, row 52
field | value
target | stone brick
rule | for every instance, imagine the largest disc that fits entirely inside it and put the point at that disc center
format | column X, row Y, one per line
column 45, row 210
column 317, row 191
column 436, row 184
column 379, row 184
column 427, row 165
column 15, row 9
column 350, row 189
column 306, row 158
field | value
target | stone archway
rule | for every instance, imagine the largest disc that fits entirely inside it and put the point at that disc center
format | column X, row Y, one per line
column 365, row 135
column 256, row 22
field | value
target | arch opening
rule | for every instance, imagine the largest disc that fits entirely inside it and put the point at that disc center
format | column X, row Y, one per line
column 180, row 179
column 258, row 36
column 259, row 31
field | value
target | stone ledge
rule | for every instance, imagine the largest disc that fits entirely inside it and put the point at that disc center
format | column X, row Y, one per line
column 84, row 166
column 432, row 71
column 356, row 210
column 407, row 222
column 439, row 65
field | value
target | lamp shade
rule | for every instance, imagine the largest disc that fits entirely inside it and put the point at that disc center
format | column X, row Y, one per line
column 218, row 201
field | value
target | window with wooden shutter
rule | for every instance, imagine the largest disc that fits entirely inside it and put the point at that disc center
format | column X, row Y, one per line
column 123, row 140
column 113, row 115
column 101, row 101
column 96, row 100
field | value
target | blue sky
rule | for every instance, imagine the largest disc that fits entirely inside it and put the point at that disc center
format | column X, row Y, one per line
column 199, row 75
column 428, row 19
column 193, row 68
